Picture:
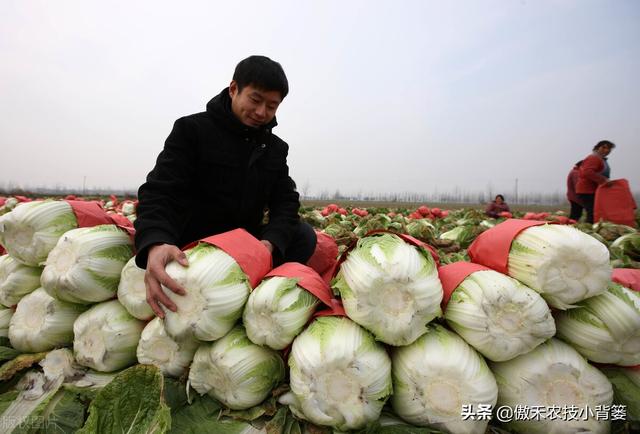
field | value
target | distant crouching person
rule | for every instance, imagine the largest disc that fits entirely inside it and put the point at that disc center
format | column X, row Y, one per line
column 497, row 206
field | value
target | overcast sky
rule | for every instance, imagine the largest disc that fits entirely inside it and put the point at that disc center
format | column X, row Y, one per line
column 385, row 96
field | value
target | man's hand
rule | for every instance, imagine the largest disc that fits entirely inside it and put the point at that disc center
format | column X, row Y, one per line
column 268, row 245
column 155, row 276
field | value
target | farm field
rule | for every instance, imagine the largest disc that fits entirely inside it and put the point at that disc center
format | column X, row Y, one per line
column 410, row 325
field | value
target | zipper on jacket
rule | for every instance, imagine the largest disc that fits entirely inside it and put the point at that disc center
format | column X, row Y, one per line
column 256, row 153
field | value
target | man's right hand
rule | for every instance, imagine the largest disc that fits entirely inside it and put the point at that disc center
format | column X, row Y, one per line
column 156, row 276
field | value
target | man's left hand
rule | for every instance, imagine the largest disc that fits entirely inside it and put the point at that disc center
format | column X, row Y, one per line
column 268, row 245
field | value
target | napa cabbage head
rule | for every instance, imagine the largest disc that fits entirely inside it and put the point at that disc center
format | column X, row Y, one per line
column 106, row 337
column 235, row 371
column 339, row 375
column 390, row 287
column 85, row 265
column 32, row 229
column 605, row 328
column 217, row 290
column 435, row 376
column 16, row 280
column 276, row 312
column 553, row 374
column 132, row 291
column 42, row 323
column 626, row 388
column 156, row 347
column 560, row 262
column 499, row 316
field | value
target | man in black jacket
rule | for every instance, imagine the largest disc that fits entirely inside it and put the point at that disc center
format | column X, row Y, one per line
column 220, row 170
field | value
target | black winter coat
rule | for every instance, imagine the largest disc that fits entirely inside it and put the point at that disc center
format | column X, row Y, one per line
column 216, row 174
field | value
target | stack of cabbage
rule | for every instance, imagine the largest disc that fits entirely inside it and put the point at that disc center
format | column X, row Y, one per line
column 571, row 271
column 390, row 288
column 53, row 273
column 203, row 333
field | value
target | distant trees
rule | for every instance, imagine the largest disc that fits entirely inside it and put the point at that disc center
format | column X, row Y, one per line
column 456, row 195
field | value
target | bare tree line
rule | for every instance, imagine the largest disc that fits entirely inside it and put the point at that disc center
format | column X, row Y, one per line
column 470, row 197
column 457, row 195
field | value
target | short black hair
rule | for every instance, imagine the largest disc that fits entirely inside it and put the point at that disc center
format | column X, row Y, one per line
column 263, row 73
column 602, row 143
column 499, row 196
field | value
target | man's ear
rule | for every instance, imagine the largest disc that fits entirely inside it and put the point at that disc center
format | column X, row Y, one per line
column 233, row 89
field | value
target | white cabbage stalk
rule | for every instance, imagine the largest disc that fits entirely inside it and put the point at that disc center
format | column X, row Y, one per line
column 235, row 371
column 217, row 290
column 132, row 291
column 435, row 376
column 42, row 323
column 339, row 375
column 553, row 374
column 499, row 316
column 16, row 280
column 390, row 288
column 106, row 337
column 32, row 229
column 85, row 265
column 5, row 318
column 276, row 312
column 562, row 263
column 606, row 328
column 157, row 348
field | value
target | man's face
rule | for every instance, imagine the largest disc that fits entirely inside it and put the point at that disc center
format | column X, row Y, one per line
column 604, row 150
column 254, row 107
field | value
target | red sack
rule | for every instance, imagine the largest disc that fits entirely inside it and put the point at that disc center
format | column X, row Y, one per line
column 91, row 214
column 615, row 203
column 627, row 277
column 308, row 279
column 325, row 258
column 491, row 248
column 452, row 275
column 336, row 309
column 252, row 256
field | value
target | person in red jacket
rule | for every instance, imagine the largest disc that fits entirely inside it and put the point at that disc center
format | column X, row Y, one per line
column 572, row 196
column 497, row 206
column 594, row 172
